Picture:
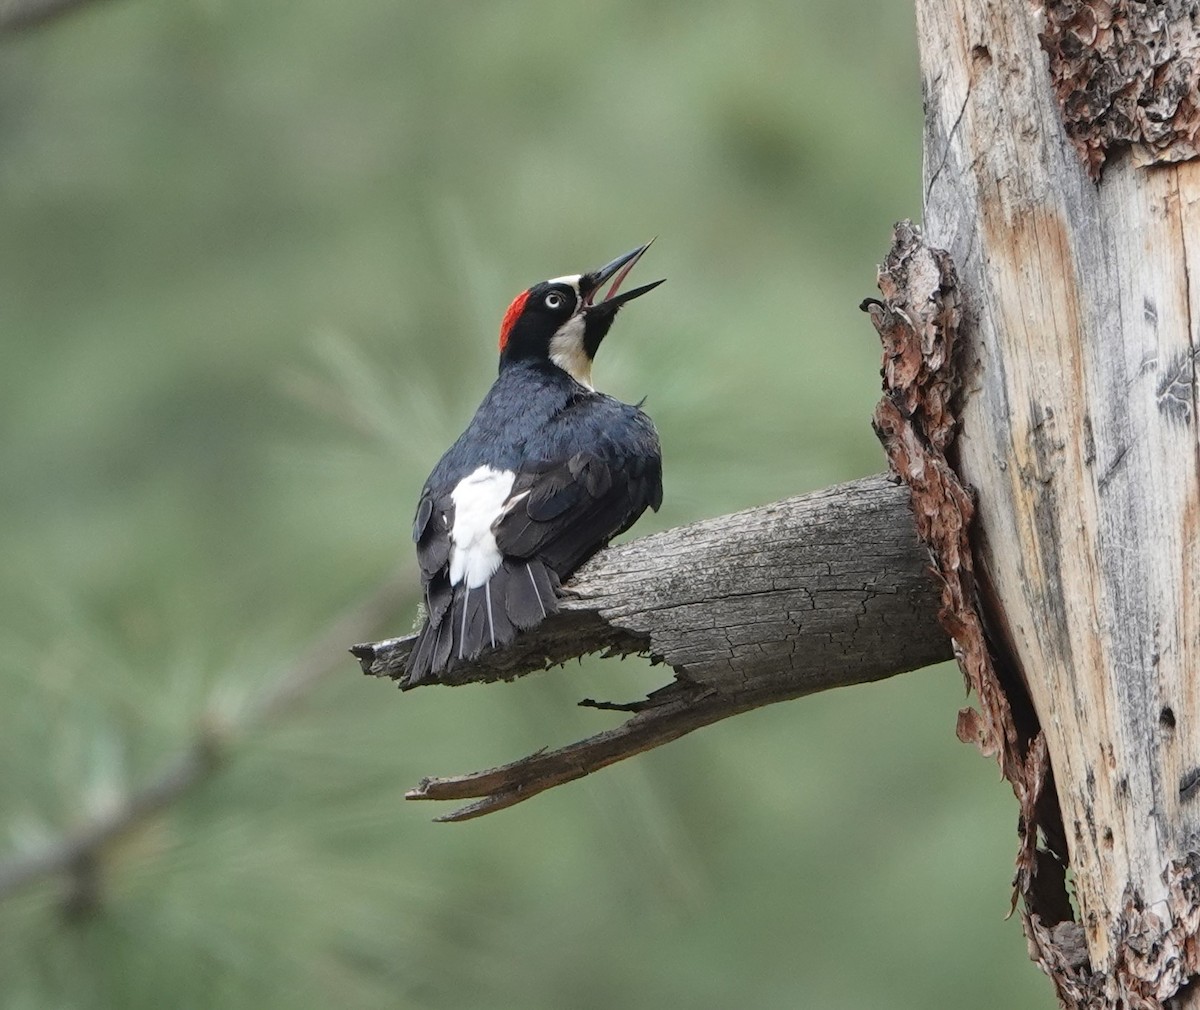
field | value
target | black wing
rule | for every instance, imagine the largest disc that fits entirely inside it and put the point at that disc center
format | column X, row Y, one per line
column 565, row 511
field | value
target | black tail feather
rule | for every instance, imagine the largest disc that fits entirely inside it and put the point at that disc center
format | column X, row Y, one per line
column 443, row 646
column 530, row 592
column 462, row 623
column 500, row 630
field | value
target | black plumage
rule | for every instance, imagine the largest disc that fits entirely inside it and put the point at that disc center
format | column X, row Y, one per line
column 585, row 467
column 546, row 473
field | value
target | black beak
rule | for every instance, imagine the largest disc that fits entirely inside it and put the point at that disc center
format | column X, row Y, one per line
column 590, row 284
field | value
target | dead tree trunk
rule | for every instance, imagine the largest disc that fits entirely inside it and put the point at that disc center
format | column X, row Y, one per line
column 1059, row 190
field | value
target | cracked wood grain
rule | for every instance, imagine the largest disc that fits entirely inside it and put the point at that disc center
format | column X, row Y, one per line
column 772, row 603
column 1079, row 434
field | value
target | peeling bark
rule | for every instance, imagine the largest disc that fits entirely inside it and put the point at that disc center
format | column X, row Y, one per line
column 765, row 605
column 1079, row 436
column 1126, row 72
column 918, row 323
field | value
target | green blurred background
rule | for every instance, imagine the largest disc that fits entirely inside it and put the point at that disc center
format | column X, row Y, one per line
column 252, row 261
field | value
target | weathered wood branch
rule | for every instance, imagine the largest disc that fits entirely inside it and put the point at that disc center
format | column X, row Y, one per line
column 1079, row 433
column 674, row 714
column 773, row 603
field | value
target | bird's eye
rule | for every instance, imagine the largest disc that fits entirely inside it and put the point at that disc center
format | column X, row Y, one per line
column 554, row 300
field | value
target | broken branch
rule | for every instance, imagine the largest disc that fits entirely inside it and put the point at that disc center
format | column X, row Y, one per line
column 823, row 590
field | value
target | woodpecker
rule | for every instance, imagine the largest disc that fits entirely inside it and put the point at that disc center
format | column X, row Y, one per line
column 547, row 472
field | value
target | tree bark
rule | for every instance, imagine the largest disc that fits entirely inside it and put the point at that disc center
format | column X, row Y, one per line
column 1079, row 436
column 773, row 603
column 821, row 590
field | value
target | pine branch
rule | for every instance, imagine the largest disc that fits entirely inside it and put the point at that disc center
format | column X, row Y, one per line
column 80, row 852
column 16, row 15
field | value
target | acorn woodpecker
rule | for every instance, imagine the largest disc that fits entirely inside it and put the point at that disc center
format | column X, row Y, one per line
column 547, row 472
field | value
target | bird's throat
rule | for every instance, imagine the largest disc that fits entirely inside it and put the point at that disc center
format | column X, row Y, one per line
column 568, row 352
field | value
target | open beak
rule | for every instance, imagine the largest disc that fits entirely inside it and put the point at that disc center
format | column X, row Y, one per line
column 616, row 271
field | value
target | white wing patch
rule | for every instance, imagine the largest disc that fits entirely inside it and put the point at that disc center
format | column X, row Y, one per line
column 480, row 499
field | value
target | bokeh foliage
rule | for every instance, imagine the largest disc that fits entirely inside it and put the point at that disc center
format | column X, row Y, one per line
column 252, row 259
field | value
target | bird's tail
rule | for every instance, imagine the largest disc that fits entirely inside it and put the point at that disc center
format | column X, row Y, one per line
column 460, row 622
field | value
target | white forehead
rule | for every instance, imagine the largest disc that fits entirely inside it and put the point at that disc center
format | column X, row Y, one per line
column 572, row 280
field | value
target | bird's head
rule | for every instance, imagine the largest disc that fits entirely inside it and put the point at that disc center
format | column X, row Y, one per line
column 563, row 320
